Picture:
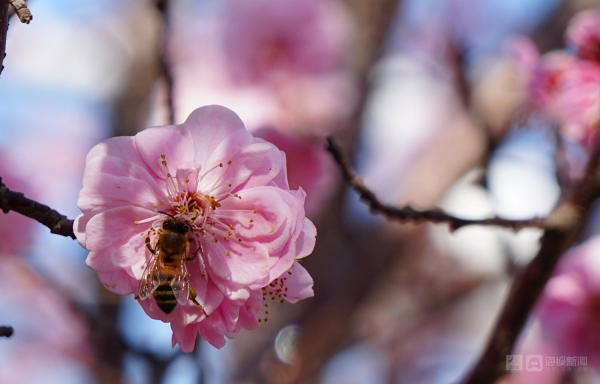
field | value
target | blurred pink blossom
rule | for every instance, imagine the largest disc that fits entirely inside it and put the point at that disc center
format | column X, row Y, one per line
column 564, row 88
column 265, row 39
column 280, row 64
column 569, row 309
column 246, row 225
column 309, row 166
column 49, row 335
column 16, row 229
column 584, row 33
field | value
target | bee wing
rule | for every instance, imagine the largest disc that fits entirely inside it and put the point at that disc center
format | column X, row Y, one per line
column 180, row 284
column 147, row 283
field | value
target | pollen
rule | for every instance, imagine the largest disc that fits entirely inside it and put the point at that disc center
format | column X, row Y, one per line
column 252, row 220
column 135, row 222
column 227, row 253
column 229, row 162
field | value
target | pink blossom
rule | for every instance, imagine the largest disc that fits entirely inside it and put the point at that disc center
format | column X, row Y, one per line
column 266, row 38
column 569, row 309
column 310, row 167
column 246, row 226
column 564, row 88
column 49, row 335
column 584, row 33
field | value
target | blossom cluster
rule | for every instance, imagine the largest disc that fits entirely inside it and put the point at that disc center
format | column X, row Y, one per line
column 246, row 229
column 569, row 309
column 565, row 84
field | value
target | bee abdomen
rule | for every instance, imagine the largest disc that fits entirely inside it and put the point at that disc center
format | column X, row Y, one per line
column 165, row 298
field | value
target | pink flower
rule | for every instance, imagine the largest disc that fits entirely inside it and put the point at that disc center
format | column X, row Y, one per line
column 310, row 167
column 569, row 309
column 266, row 38
column 246, row 229
column 584, row 33
column 564, row 88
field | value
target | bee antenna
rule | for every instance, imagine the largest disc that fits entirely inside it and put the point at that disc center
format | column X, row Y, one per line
column 165, row 213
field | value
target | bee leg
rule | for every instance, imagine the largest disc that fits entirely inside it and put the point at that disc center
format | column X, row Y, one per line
column 193, row 298
column 194, row 255
column 148, row 244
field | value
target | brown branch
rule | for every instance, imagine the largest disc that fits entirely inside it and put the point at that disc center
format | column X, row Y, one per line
column 22, row 11
column 3, row 30
column 17, row 202
column 563, row 227
column 163, row 8
column 6, row 331
column 407, row 213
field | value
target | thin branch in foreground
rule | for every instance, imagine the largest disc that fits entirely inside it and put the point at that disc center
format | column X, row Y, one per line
column 163, row 8
column 6, row 331
column 17, row 202
column 409, row 214
column 563, row 226
column 23, row 12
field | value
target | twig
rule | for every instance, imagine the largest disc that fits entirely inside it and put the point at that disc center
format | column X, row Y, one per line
column 563, row 227
column 22, row 11
column 6, row 331
column 163, row 8
column 16, row 201
column 407, row 213
column 3, row 30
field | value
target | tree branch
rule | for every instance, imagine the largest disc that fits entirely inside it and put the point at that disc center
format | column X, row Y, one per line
column 22, row 11
column 16, row 201
column 3, row 30
column 407, row 213
column 6, row 331
column 563, row 227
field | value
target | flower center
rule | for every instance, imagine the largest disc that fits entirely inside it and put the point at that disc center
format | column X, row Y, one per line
column 202, row 212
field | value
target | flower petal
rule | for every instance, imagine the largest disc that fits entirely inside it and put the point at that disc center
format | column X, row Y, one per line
column 298, row 283
column 175, row 142
column 111, row 181
column 209, row 126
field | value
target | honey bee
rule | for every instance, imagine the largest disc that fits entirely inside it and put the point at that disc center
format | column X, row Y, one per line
column 166, row 276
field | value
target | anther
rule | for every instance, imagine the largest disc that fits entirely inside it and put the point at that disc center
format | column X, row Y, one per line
column 135, row 222
column 251, row 220
column 229, row 162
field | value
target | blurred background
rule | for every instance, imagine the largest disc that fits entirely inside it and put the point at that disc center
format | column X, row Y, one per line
column 421, row 94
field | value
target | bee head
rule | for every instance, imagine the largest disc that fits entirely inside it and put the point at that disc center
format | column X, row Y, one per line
column 175, row 225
